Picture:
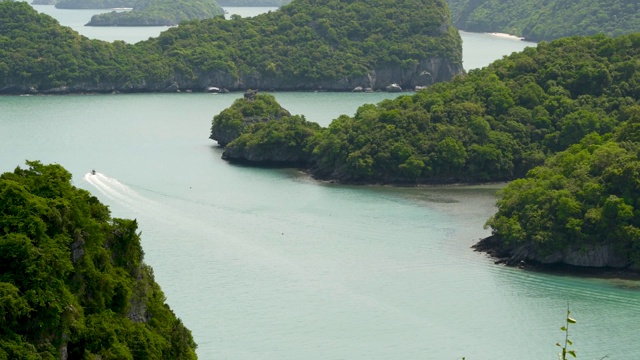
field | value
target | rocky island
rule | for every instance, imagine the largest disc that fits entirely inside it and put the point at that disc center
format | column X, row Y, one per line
column 495, row 124
column 159, row 13
column 561, row 121
column 320, row 45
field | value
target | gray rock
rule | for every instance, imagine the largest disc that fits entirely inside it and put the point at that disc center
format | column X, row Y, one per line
column 172, row 88
column 393, row 88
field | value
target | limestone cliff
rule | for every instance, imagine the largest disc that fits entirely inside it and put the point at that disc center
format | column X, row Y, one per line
column 593, row 256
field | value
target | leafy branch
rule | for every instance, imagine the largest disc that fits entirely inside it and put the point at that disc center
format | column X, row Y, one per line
column 567, row 342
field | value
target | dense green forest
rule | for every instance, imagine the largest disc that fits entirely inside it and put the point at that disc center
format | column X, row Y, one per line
column 254, row 108
column 159, row 13
column 494, row 124
column 547, row 20
column 73, row 283
column 306, row 45
column 110, row 4
column 584, row 197
column 257, row 129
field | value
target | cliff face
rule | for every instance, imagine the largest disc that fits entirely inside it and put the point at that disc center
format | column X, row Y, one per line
column 594, row 256
column 547, row 20
column 425, row 73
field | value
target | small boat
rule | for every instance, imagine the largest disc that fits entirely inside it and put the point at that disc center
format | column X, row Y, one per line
column 93, row 172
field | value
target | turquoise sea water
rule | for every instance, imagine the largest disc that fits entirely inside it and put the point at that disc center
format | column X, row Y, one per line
column 270, row 264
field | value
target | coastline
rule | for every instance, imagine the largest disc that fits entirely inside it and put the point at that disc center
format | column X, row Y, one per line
column 502, row 255
column 506, row 36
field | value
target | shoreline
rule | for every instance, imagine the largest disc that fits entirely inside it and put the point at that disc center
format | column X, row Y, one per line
column 501, row 255
column 506, row 36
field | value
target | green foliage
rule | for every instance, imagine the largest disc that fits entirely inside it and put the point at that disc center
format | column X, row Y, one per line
column 565, row 348
column 230, row 123
column 547, row 20
column 495, row 124
column 303, row 45
column 281, row 140
column 159, row 13
column 72, row 277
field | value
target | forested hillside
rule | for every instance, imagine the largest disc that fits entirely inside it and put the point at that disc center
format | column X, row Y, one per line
column 493, row 125
column 109, row 4
column 580, row 208
column 159, row 13
column 73, row 283
column 306, row 45
column 547, row 20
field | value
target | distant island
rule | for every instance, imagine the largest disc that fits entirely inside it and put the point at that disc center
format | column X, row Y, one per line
column 547, row 20
column 73, row 283
column 159, row 13
column 306, row 45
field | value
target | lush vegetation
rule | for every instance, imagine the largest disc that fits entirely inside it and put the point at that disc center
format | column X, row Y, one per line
column 94, row 4
column 159, row 13
column 585, row 196
column 72, row 279
column 304, row 45
column 257, row 129
column 494, row 124
column 547, row 20
column 253, row 108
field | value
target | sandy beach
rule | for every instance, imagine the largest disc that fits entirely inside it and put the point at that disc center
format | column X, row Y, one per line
column 507, row 36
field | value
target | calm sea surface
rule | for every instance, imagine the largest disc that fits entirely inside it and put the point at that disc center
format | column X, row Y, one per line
column 270, row 264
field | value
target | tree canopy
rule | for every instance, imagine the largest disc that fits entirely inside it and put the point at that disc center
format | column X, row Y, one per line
column 585, row 196
column 305, row 45
column 494, row 124
column 159, row 13
column 73, row 280
column 547, row 20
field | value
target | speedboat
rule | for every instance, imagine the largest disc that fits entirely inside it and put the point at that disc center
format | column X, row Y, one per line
column 93, row 172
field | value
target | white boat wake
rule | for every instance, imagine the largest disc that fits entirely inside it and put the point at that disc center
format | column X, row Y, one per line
column 118, row 192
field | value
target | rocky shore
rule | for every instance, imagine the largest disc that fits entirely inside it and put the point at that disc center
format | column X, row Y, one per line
column 595, row 261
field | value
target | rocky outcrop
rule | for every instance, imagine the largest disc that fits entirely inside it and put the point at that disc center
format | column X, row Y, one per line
column 424, row 74
column 590, row 256
column 253, row 108
column 265, row 155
